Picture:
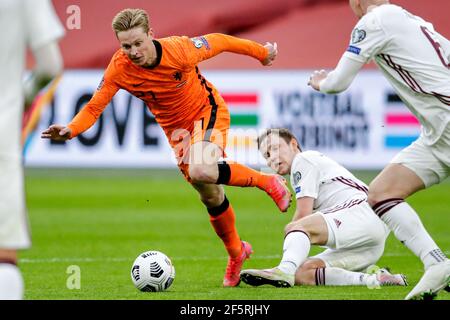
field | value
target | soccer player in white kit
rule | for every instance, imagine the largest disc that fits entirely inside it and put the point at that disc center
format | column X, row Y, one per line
column 34, row 24
column 332, row 211
column 415, row 59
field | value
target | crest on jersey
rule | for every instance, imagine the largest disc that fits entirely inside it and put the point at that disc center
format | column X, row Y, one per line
column 297, row 177
column 200, row 42
column 177, row 75
column 358, row 35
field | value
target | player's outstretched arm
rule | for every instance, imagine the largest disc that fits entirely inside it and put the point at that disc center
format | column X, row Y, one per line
column 87, row 116
column 210, row 45
column 339, row 79
column 56, row 132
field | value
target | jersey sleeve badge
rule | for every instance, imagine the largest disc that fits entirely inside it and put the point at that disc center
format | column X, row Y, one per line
column 354, row 49
column 200, row 42
column 358, row 35
column 297, row 177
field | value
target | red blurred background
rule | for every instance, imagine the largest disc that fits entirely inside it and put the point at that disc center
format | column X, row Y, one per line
column 310, row 33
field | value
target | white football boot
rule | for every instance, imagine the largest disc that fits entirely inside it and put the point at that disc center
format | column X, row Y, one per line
column 385, row 278
column 435, row 278
column 275, row 277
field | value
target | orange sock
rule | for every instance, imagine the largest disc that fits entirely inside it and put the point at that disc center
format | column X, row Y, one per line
column 235, row 174
column 222, row 219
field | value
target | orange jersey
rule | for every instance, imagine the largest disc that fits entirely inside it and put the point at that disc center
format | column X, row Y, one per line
column 173, row 89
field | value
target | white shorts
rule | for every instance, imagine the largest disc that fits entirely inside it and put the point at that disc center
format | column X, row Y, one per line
column 430, row 163
column 356, row 238
column 14, row 229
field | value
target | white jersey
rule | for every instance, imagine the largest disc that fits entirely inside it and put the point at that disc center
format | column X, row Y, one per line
column 23, row 23
column 414, row 58
column 331, row 185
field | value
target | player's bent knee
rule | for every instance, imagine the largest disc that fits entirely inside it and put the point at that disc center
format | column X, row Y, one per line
column 296, row 226
column 377, row 194
column 8, row 256
column 201, row 174
column 305, row 276
column 372, row 199
column 312, row 264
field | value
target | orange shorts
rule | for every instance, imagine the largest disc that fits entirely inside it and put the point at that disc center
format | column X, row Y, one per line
column 211, row 125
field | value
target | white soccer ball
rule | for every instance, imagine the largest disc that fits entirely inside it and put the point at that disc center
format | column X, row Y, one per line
column 152, row 271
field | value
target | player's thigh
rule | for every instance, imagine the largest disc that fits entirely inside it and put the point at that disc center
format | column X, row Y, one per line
column 198, row 149
column 200, row 165
column 209, row 139
column 357, row 226
column 216, row 121
column 354, row 259
column 14, row 229
column 314, row 225
column 441, row 149
column 414, row 168
column 204, row 153
column 394, row 181
column 210, row 134
column 203, row 162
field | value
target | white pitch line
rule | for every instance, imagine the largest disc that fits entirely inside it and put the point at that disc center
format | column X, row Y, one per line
column 49, row 260
column 123, row 259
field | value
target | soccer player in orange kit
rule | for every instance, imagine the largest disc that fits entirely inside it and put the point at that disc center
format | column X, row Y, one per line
column 164, row 74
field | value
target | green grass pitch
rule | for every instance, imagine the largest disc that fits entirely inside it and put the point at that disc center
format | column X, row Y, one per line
column 100, row 220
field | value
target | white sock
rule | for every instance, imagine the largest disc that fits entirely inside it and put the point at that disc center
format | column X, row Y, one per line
column 407, row 227
column 295, row 251
column 339, row 277
column 11, row 282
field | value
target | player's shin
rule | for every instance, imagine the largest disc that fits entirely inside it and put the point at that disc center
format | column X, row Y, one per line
column 295, row 251
column 332, row 276
column 341, row 277
column 404, row 222
column 222, row 219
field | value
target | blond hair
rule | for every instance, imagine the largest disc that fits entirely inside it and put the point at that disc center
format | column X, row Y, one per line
column 130, row 18
column 283, row 133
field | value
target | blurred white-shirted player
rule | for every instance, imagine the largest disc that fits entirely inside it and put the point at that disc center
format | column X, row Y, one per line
column 332, row 211
column 415, row 59
column 33, row 24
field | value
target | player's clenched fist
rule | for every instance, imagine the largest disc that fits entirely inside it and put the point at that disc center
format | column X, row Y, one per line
column 316, row 78
column 272, row 48
column 56, row 132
